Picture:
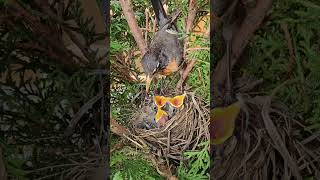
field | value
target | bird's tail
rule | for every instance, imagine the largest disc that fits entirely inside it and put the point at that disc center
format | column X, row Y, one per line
column 160, row 13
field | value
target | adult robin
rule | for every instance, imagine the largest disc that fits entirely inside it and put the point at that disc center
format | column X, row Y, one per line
column 165, row 53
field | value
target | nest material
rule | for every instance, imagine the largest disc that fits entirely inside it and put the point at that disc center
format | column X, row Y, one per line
column 188, row 127
column 268, row 146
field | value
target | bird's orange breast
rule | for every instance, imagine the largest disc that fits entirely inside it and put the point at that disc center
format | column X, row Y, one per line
column 170, row 68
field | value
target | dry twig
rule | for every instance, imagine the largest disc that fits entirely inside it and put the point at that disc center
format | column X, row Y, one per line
column 84, row 109
column 287, row 35
column 187, row 128
column 191, row 16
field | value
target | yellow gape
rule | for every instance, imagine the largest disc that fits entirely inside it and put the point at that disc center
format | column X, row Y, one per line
column 223, row 122
column 160, row 114
column 177, row 101
column 160, row 101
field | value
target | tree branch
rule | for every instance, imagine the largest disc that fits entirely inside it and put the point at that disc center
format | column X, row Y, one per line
column 84, row 109
column 291, row 48
column 117, row 128
column 191, row 16
column 186, row 72
column 132, row 22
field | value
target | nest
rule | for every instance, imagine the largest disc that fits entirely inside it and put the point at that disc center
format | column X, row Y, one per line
column 188, row 127
column 268, row 144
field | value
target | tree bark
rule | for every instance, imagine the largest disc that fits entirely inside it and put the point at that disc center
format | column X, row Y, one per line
column 132, row 22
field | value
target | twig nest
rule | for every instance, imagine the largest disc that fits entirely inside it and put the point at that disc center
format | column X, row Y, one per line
column 185, row 128
column 268, row 144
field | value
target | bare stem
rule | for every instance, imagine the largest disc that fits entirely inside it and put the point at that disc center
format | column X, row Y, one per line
column 132, row 22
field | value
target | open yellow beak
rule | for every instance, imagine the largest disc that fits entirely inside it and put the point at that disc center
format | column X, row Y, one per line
column 159, row 114
column 177, row 101
column 160, row 101
column 148, row 82
column 223, row 122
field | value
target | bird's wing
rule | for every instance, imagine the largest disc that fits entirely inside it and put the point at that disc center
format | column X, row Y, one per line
column 160, row 12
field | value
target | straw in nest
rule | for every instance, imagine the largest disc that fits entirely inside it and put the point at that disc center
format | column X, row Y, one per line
column 269, row 145
column 184, row 131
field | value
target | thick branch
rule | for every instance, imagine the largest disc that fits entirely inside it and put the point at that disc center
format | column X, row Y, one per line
column 117, row 128
column 191, row 16
column 132, row 22
column 186, row 72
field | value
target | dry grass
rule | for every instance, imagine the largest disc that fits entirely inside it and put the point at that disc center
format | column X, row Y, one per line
column 184, row 131
column 271, row 144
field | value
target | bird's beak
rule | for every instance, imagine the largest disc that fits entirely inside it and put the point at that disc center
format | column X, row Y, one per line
column 177, row 101
column 148, row 82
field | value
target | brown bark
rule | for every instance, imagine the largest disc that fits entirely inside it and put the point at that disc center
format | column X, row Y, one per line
column 191, row 16
column 132, row 22
column 287, row 35
column 186, row 72
column 117, row 128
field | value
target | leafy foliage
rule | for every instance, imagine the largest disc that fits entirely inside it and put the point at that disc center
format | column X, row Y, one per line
column 13, row 163
column 270, row 55
column 199, row 79
column 199, row 163
column 130, row 164
column 39, row 97
column 123, row 95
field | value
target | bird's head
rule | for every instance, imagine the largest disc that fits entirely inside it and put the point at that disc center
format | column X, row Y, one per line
column 150, row 64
